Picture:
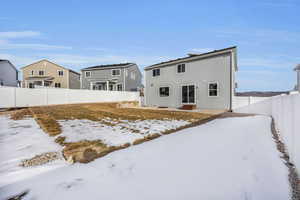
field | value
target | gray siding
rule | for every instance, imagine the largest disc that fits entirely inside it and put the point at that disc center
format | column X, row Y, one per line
column 8, row 74
column 103, row 75
column 74, row 80
column 134, row 78
column 199, row 73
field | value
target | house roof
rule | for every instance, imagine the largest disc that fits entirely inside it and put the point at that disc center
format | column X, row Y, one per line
column 52, row 63
column 192, row 57
column 4, row 60
column 120, row 65
column 297, row 67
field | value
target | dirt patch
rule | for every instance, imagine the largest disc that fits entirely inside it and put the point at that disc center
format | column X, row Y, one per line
column 293, row 175
column 85, row 151
column 41, row 159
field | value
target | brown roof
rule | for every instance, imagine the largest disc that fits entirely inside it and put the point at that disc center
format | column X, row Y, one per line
column 190, row 56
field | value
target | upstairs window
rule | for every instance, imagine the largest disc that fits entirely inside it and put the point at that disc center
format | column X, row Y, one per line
column 31, row 73
column 213, row 89
column 60, row 73
column 156, row 72
column 115, row 72
column 88, row 74
column 180, row 68
column 41, row 73
column 164, row 91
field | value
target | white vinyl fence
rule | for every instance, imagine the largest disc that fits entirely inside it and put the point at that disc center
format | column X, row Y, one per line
column 24, row 97
column 241, row 101
column 285, row 109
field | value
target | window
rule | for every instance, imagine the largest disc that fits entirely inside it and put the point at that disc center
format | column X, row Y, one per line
column 213, row 90
column 155, row 72
column 180, row 68
column 60, row 73
column 119, row 87
column 31, row 73
column 88, row 74
column 41, row 73
column 57, row 85
column 111, row 87
column 115, row 72
column 164, row 91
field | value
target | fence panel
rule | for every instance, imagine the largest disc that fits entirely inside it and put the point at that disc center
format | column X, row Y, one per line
column 24, row 97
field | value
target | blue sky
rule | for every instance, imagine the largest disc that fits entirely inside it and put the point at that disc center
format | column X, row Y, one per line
column 78, row 34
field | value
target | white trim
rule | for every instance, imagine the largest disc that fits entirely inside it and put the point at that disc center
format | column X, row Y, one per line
column 195, row 93
column 85, row 76
column 218, row 89
column 116, row 70
column 164, row 87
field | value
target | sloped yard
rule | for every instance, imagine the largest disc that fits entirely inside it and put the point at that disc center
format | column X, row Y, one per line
column 230, row 158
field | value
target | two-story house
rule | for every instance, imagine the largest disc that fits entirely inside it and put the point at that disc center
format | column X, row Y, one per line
column 8, row 74
column 117, row 77
column 205, row 81
column 48, row 74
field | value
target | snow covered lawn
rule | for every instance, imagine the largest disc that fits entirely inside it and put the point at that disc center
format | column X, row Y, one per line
column 118, row 133
column 230, row 158
column 19, row 140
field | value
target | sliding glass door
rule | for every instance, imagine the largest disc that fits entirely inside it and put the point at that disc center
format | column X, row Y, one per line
column 188, row 94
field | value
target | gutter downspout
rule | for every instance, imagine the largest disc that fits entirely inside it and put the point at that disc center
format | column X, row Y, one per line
column 124, row 79
column 231, row 91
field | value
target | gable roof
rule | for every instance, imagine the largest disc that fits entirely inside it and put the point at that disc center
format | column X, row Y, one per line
column 297, row 67
column 192, row 57
column 51, row 63
column 3, row 60
column 120, row 65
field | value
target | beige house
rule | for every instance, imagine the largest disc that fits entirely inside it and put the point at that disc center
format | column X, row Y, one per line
column 48, row 74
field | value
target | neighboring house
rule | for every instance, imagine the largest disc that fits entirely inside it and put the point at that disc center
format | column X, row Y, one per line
column 297, row 69
column 48, row 74
column 118, row 77
column 204, row 81
column 8, row 74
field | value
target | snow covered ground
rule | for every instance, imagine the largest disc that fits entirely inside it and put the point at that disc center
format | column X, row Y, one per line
column 23, row 139
column 230, row 158
column 121, row 132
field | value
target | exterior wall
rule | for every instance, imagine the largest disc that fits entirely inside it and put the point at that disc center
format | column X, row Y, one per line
column 50, row 69
column 8, row 74
column 74, row 80
column 101, row 75
column 132, row 83
column 198, row 73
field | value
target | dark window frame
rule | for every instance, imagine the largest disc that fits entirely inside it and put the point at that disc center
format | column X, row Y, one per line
column 156, row 72
column 41, row 74
column 116, row 70
column 164, row 91
column 181, row 68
